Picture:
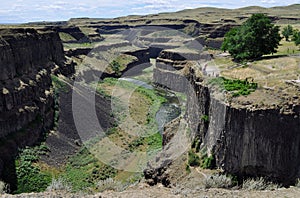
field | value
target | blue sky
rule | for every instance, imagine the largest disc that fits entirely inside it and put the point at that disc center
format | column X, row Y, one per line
column 20, row 11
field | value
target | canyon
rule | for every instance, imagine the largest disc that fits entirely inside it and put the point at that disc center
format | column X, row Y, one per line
column 247, row 136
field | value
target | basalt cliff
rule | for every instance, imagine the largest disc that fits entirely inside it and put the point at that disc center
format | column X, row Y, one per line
column 28, row 57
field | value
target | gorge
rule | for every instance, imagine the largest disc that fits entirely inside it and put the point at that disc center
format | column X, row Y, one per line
column 251, row 135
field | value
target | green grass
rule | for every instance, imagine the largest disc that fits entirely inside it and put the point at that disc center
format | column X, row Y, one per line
column 236, row 87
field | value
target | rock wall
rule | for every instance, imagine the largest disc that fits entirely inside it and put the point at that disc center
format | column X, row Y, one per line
column 26, row 50
column 245, row 142
column 254, row 143
column 27, row 59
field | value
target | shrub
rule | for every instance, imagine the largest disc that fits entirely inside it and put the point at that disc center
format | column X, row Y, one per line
column 208, row 162
column 218, row 181
column 59, row 184
column 193, row 158
column 110, row 184
column 259, row 184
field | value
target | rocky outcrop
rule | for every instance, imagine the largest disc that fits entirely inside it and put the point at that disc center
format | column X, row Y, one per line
column 244, row 141
column 28, row 57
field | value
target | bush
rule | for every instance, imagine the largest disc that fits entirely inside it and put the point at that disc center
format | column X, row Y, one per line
column 218, row 181
column 259, row 184
column 208, row 162
column 193, row 159
column 59, row 184
column 110, row 184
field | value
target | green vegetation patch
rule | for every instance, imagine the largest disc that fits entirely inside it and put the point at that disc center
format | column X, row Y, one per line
column 236, row 86
column 30, row 178
column 208, row 162
column 83, row 171
column 205, row 118
column 193, row 158
column 150, row 143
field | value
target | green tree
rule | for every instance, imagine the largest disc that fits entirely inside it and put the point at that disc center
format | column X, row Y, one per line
column 255, row 37
column 287, row 32
column 296, row 37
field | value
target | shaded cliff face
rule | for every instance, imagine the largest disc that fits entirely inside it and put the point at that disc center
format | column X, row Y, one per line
column 246, row 142
column 26, row 98
column 26, row 50
column 260, row 142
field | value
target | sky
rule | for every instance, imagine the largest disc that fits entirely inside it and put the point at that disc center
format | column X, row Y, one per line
column 21, row 11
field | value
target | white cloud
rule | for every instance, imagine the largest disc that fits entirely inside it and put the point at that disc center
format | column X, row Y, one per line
column 31, row 10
